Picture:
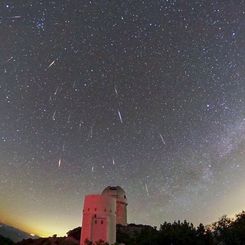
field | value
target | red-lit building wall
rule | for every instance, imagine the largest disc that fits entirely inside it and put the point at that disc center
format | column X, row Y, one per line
column 99, row 219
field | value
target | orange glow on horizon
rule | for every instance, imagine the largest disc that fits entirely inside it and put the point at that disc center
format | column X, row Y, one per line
column 33, row 228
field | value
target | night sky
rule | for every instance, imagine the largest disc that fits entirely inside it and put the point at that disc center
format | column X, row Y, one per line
column 148, row 95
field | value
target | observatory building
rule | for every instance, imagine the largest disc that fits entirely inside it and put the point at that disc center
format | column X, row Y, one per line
column 101, row 213
column 121, row 202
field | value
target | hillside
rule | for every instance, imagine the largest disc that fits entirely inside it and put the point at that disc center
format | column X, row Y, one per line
column 5, row 241
column 13, row 234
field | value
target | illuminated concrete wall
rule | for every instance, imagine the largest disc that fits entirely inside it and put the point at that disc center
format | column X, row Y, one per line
column 99, row 219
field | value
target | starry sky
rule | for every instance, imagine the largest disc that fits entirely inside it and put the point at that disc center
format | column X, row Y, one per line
column 148, row 95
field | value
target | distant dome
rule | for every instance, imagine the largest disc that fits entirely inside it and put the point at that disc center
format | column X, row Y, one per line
column 115, row 191
column 118, row 193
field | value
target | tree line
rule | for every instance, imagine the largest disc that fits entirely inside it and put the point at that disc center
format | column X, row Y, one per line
column 225, row 231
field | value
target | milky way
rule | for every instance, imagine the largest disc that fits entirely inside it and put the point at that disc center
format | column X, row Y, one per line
column 148, row 95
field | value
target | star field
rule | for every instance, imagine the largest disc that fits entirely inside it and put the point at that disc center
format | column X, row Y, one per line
column 148, row 95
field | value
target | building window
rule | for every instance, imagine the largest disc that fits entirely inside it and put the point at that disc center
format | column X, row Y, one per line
column 95, row 209
column 102, row 222
column 95, row 221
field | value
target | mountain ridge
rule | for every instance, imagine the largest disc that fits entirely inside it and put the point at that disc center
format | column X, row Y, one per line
column 14, row 234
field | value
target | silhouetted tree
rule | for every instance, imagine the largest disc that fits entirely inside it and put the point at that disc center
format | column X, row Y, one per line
column 222, row 231
column 238, row 227
column 203, row 236
column 75, row 233
column 230, row 232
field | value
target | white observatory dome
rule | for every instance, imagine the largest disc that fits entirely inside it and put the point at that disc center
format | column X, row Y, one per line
column 115, row 191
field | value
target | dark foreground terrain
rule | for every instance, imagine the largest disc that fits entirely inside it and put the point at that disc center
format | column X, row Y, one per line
column 223, row 232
